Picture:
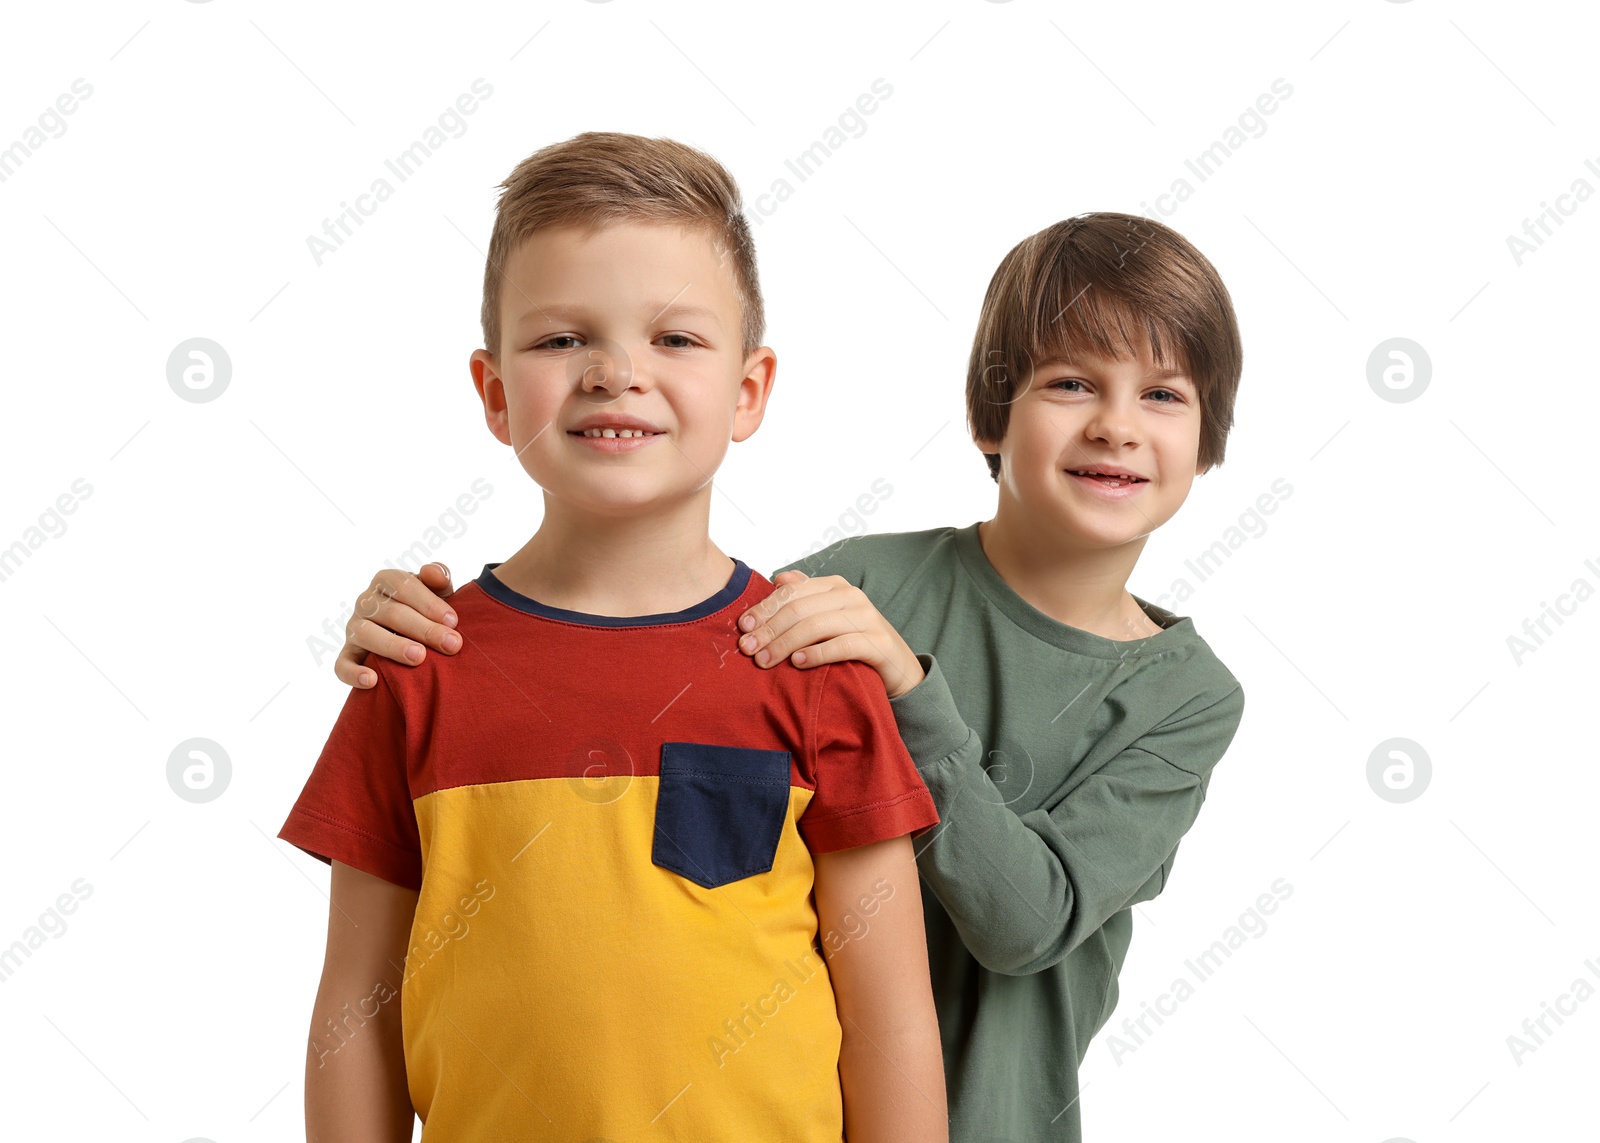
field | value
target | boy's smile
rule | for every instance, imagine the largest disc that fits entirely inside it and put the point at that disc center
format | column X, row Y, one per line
column 1102, row 450
column 621, row 379
column 1109, row 481
column 615, row 432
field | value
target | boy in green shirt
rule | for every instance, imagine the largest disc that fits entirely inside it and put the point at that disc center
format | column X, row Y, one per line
column 1066, row 728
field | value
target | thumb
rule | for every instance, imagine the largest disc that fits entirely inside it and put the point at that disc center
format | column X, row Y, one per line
column 436, row 577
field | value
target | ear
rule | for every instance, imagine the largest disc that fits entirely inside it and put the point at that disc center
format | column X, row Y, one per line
column 761, row 372
column 492, row 391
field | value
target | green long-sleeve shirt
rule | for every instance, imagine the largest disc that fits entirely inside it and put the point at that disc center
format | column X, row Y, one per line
column 1065, row 767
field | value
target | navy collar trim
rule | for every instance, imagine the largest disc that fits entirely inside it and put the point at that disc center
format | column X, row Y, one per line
column 732, row 591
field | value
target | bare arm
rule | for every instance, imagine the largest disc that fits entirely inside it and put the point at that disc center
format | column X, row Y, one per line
column 869, row 908
column 355, row 1062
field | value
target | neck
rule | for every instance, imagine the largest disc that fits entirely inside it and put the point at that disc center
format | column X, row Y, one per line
column 646, row 564
column 1080, row 586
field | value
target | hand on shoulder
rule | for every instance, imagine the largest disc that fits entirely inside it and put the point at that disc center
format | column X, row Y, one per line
column 395, row 617
column 826, row 620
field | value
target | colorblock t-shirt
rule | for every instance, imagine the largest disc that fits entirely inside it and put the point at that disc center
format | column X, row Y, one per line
column 610, row 823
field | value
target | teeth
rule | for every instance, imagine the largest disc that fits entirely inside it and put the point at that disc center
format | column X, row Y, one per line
column 618, row 433
column 1119, row 480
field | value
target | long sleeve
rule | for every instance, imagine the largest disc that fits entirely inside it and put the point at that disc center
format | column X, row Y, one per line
column 1025, row 889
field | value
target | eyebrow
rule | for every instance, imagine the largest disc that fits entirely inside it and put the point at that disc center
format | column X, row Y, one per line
column 1170, row 373
column 562, row 312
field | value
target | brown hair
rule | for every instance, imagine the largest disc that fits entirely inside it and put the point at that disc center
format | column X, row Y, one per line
column 600, row 177
column 1094, row 283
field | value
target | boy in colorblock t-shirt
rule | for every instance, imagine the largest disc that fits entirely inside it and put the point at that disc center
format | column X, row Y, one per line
column 642, row 889
column 614, row 863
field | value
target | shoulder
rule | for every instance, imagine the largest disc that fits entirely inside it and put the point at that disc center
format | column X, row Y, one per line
column 1182, row 649
column 1183, row 677
column 413, row 686
column 855, row 682
column 846, row 706
column 1207, row 680
column 829, row 693
column 1195, row 706
column 892, row 554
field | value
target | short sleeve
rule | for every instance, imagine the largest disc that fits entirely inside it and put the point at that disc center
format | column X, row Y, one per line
column 356, row 807
column 867, row 786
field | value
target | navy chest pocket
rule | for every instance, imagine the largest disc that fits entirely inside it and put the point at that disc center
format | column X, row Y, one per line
column 719, row 811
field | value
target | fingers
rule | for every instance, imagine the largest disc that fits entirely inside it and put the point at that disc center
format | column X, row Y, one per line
column 811, row 625
column 410, row 602
column 436, row 577
column 395, row 618
column 857, row 645
column 419, row 592
column 783, row 593
column 349, row 671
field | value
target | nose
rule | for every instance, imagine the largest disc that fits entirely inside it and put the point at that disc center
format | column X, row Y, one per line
column 1113, row 420
column 606, row 366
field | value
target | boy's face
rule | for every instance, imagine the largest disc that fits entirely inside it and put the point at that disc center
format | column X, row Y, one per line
column 634, row 323
column 1093, row 413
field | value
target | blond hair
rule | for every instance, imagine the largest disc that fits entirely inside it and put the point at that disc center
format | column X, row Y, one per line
column 600, row 177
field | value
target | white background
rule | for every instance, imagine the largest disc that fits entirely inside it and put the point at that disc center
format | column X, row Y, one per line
column 219, row 537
